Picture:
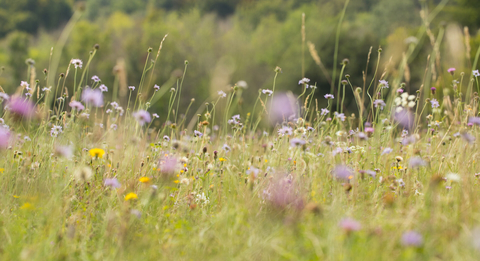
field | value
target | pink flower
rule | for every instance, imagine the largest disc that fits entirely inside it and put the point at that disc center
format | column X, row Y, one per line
column 21, row 107
column 350, row 225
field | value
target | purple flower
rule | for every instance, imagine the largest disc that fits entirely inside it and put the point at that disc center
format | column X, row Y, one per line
column 380, row 103
column 131, row 88
column 142, row 117
column 268, row 92
column 92, row 97
column 282, row 107
column 476, row 73
column 4, row 97
column 77, row 105
column 369, row 130
column 435, row 103
column 451, row 70
column 4, row 137
column 55, row 131
column 468, row 137
column 474, row 120
column 113, row 183
column 296, row 142
column 412, row 238
column 25, row 85
column 156, row 87
column 342, row 172
column 64, row 151
column 405, row 119
column 324, row 112
column 303, row 81
column 384, row 84
column 103, row 88
column 21, row 107
column 387, row 151
column 196, row 133
column 169, row 166
column 285, row 131
column 77, row 63
column 349, row 225
column 113, row 126
column 400, row 90
column 340, row 116
column 417, row 162
column 329, row 96
column 284, row 193
column 95, row 78
column 222, row 94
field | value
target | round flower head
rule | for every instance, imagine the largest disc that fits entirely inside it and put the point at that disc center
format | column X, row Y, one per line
column 96, row 153
column 412, row 238
column 222, row 94
column 95, row 78
column 77, row 63
column 156, row 87
column 142, row 117
column 4, row 137
column 329, row 96
column 131, row 88
column 21, row 107
column 92, row 97
column 103, row 88
column 282, row 106
column 384, row 84
column 113, row 183
column 342, row 172
column 77, row 105
column 451, row 70
column 350, row 225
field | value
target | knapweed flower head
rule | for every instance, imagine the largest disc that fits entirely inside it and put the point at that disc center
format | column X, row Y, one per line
column 21, row 107
column 95, row 78
column 77, row 105
column 342, row 172
column 379, row 103
column 222, row 94
column 103, row 88
column 329, row 96
column 384, row 84
column 92, row 97
column 142, row 117
column 96, row 153
column 412, row 238
column 476, row 73
column 451, row 70
column 435, row 103
column 349, row 225
column 113, row 183
column 77, row 63
column 267, row 92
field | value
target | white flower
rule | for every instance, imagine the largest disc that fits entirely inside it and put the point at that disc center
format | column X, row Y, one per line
column 453, row 177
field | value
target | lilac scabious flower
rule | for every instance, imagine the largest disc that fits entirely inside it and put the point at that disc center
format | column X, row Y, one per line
column 55, row 131
column 296, row 142
column 324, row 112
column 4, row 97
column 329, row 96
column 476, row 73
column 349, row 225
column 103, row 88
column 222, row 94
column 21, row 107
column 25, row 85
column 451, row 70
column 435, row 103
column 166, row 138
column 282, row 107
column 303, row 81
column 380, row 103
column 95, row 78
column 142, row 117
column 114, row 105
column 131, row 88
column 77, row 105
column 196, row 133
column 369, row 130
column 412, row 238
column 384, row 84
column 340, row 116
column 405, row 118
column 77, row 63
column 155, row 116
column 267, row 91
column 113, row 183
column 92, row 97
column 4, row 137
column 417, row 162
column 474, row 120
column 226, row 148
column 156, row 88
column 342, row 172
column 387, row 151
column 285, row 130
column 468, row 137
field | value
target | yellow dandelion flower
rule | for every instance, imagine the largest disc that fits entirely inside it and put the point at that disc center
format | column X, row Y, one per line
column 15, row 196
column 176, row 181
column 222, row 159
column 96, row 153
column 131, row 195
column 2, row 170
column 144, row 179
column 27, row 206
column 266, row 160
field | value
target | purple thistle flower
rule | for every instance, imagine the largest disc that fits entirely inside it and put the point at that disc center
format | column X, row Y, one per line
column 113, row 183
column 142, row 117
column 329, row 96
column 77, row 105
column 349, row 225
column 342, row 172
column 412, row 238
column 21, row 107
column 451, row 70
column 92, row 97
column 435, row 103
column 417, row 162
column 103, row 88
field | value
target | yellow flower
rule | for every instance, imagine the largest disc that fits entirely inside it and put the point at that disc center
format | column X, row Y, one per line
column 96, row 152
column 222, row 159
column 2, row 170
column 15, row 196
column 176, row 181
column 27, row 206
column 144, row 179
column 131, row 195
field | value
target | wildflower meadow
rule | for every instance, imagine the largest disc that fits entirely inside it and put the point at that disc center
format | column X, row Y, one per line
column 367, row 168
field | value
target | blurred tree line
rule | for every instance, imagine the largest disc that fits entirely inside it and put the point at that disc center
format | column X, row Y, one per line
column 225, row 41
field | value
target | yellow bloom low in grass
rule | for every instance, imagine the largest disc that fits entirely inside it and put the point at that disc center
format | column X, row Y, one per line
column 222, row 159
column 2, row 170
column 96, row 153
column 130, row 195
column 145, row 179
column 27, row 206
